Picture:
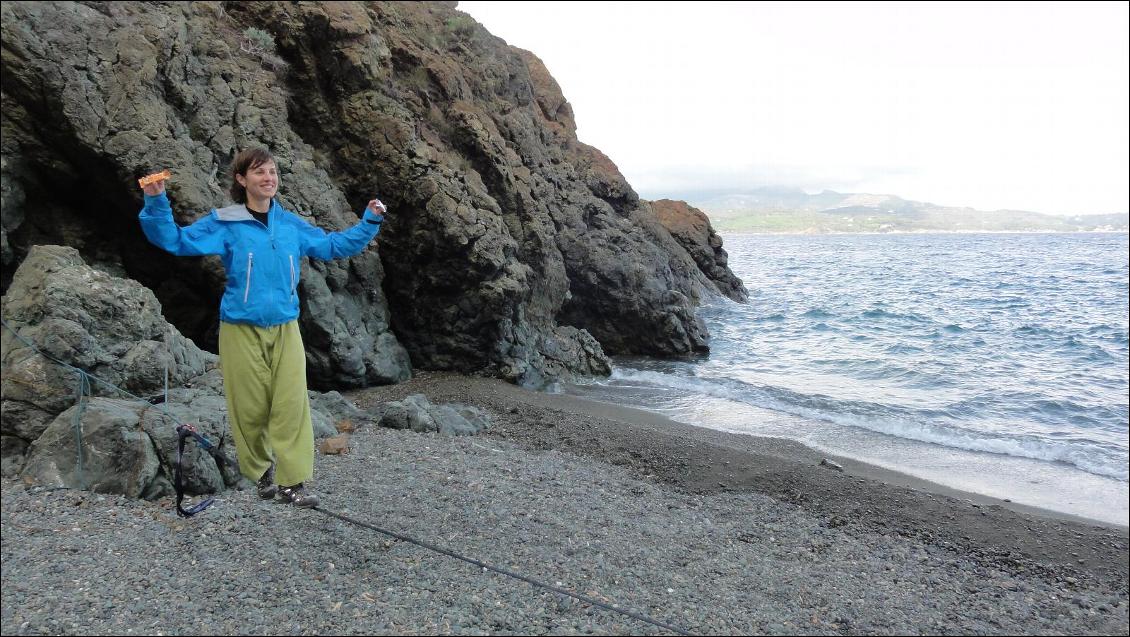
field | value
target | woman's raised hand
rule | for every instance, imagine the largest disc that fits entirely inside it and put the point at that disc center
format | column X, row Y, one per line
column 376, row 207
column 154, row 184
column 154, row 188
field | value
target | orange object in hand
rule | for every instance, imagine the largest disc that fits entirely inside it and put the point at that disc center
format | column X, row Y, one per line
column 155, row 177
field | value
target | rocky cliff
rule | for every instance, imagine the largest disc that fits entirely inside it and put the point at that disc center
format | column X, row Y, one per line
column 512, row 249
column 691, row 228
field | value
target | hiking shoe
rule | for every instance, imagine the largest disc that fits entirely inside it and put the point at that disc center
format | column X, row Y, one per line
column 266, row 485
column 298, row 496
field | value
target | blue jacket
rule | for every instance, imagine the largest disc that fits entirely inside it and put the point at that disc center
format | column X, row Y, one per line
column 262, row 262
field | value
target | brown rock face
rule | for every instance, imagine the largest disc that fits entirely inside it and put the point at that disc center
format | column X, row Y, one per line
column 511, row 248
column 691, row 228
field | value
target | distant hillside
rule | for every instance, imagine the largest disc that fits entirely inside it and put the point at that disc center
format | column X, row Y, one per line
column 790, row 210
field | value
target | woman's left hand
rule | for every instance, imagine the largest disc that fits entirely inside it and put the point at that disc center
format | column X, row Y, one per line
column 377, row 208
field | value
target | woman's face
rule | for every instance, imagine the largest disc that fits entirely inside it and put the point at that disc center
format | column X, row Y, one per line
column 261, row 182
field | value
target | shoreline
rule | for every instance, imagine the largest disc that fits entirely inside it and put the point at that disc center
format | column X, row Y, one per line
column 706, row 461
column 789, row 450
column 888, row 468
column 862, row 468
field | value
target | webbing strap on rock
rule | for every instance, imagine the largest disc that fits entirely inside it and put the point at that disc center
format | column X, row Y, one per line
column 82, row 390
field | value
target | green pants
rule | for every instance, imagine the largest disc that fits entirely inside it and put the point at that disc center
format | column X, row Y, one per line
column 265, row 385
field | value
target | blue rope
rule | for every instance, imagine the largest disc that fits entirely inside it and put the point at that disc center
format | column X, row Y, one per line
column 82, row 390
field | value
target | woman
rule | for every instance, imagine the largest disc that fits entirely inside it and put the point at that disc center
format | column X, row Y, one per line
column 261, row 353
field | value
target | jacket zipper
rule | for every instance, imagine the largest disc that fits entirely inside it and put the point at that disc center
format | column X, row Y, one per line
column 247, row 288
column 291, row 257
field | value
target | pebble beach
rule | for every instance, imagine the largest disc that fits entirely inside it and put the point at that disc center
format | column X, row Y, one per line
column 709, row 532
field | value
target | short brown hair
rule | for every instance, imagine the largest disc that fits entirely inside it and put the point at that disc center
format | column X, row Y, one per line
column 243, row 162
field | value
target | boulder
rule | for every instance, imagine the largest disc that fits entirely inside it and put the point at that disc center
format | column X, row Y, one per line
column 88, row 319
column 337, row 408
column 105, row 451
column 418, row 414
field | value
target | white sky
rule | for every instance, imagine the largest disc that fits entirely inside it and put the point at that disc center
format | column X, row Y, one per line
column 1011, row 105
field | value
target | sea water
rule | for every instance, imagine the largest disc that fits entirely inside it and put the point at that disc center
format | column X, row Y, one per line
column 992, row 363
